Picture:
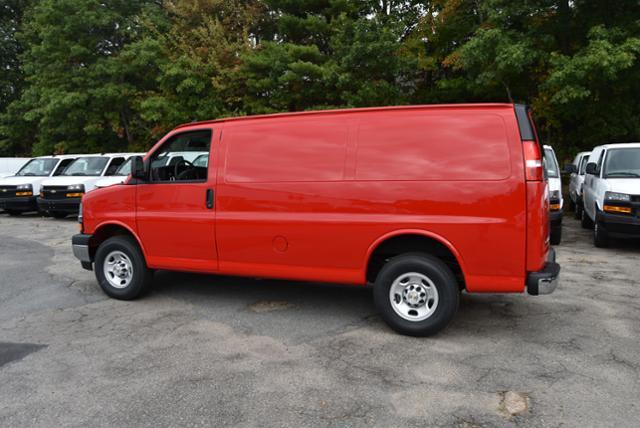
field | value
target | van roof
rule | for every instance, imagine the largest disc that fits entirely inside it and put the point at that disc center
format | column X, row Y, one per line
column 87, row 155
column 619, row 146
column 351, row 110
column 59, row 156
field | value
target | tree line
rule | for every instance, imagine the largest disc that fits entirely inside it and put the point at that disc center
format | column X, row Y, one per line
column 115, row 75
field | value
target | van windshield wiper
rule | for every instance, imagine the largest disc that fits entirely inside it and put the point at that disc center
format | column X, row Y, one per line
column 76, row 174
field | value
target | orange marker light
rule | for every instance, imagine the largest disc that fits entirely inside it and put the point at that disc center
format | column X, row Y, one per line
column 616, row 209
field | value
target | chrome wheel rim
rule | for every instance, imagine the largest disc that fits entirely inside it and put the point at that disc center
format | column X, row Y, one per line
column 118, row 269
column 413, row 296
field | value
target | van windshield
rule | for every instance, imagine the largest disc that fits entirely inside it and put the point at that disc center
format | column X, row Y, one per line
column 38, row 167
column 125, row 168
column 583, row 164
column 89, row 166
column 622, row 163
column 550, row 164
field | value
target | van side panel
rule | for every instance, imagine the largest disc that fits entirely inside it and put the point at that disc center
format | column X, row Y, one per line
column 433, row 147
column 322, row 229
column 462, row 172
column 306, row 149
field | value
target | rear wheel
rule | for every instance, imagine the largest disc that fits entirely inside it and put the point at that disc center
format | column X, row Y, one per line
column 585, row 222
column 416, row 294
column 121, row 269
column 13, row 212
column 58, row 214
column 572, row 205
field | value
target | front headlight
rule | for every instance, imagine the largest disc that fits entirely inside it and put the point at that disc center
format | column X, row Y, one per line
column 23, row 187
column 554, row 195
column 618, row 197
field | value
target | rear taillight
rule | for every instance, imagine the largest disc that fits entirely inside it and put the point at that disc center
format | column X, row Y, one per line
column 532, row 161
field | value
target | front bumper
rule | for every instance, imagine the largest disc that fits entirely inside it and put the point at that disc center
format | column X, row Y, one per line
column 620, row 225
column 25, row 203
column 69, row 205
column 82, row 250
column 544, row 281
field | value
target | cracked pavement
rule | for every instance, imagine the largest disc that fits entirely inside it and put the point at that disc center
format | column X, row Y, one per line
column 207, row 350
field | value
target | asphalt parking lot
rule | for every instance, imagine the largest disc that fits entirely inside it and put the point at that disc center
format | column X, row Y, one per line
column 206, row 350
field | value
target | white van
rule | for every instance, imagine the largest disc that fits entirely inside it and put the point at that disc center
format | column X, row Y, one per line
column 612, row 193
column 577, row 171
column 555, row 194
column 18, row 192
column 61, row 195
column 120, row 175
column 9, row 166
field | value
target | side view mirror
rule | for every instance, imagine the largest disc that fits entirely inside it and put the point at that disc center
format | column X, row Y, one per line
column 138, row 170
column 591, row 168
column 570, row 168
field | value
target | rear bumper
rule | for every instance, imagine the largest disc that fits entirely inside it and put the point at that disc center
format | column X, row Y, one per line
column 69, row 205
column 27, row 203
column 81, row 249
column 544, row 281
column 619, row 225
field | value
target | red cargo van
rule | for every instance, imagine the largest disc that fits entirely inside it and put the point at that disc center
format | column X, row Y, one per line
column 422, row 202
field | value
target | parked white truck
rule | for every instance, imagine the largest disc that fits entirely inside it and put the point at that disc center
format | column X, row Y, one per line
column 577, row 170
column 612, row 193
column 555, row 194
column 18, row 193
column 60, row 196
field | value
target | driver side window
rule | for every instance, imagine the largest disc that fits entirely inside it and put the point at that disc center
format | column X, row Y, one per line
column 176, row 159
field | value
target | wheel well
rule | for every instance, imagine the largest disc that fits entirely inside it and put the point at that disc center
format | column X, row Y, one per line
column 412, row 243
column 105, row 232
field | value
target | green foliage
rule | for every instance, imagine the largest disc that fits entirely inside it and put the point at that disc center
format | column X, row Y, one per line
column 106, row 75
column 602, row 80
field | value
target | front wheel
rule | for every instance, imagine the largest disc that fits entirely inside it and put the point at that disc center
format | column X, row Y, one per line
column 13, row 213
column 416, row 294
column 58, row 214
column 600, row 237
column 121, row 269
column 585, row 221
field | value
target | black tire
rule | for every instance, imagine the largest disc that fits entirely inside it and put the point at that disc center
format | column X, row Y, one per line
column 585, row 221
column 438, row 273
column 600, row 236
column 13, row 213
column 58, row 214
column 141, row 275
column 556, row 234
column 572, row 205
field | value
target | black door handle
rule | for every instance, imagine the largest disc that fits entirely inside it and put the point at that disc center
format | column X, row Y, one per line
column 209, row 198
